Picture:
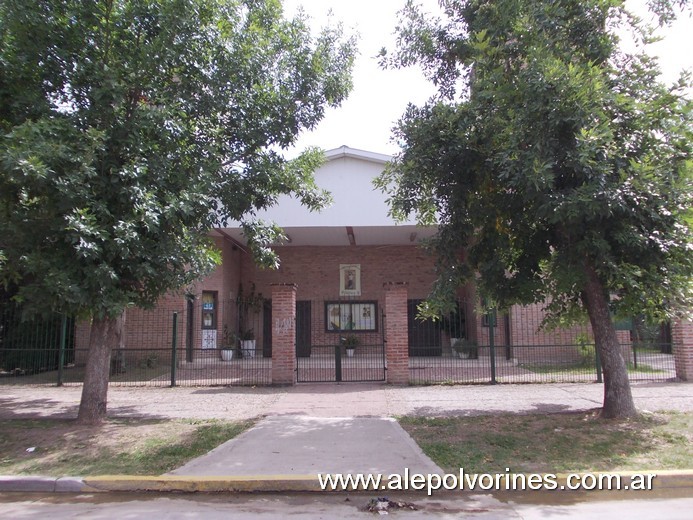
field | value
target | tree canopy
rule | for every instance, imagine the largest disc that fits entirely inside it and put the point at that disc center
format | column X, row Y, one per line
column 555, row 163
column 130, row 128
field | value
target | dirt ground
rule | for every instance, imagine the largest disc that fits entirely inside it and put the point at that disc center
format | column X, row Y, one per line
column 119, row 446
column 40, row 443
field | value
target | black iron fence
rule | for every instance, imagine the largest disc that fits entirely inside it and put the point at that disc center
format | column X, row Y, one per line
column 203, row 343
column 339, row 340
column 210, row 342
column 515, row 348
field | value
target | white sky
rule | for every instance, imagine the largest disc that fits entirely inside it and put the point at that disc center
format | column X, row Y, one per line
column 379, row 97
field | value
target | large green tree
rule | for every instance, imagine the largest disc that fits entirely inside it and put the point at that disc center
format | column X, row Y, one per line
column 555, row 163
column 129, row 128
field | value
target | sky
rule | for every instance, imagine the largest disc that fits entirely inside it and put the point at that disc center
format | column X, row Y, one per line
column 379, row 97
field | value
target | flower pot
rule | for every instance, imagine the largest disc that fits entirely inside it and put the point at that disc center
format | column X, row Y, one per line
column 248, row 348
column 350, row 352
column 226, row 354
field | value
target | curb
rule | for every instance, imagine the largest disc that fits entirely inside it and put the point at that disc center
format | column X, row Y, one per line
column 665, row 479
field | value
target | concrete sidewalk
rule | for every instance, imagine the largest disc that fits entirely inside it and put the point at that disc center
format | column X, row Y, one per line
column 313, row 429
column 287, row 445
column 336, row 400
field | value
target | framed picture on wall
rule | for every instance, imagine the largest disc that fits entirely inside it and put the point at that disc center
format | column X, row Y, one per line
column 350, row 279
column 340, row 316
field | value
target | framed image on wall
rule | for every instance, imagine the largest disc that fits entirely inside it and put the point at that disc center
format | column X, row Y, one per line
column 350, row 279
column 354, row 316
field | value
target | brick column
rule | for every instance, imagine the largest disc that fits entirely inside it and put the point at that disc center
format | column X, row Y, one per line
column 284, row 334
column 682, row 338
column 396, row 333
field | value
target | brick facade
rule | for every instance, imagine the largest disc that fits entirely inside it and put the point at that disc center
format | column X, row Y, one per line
column 313, row 273
column 315, row 270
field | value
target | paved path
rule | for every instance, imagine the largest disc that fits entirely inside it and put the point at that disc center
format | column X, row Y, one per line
column 291, row 445
column 331, row 400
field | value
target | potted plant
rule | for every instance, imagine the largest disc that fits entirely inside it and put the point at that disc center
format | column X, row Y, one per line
column 452, row 324
column 350, row 342
column 229, row 343
column 248, row 343
column 466, row 348
column 249, row 307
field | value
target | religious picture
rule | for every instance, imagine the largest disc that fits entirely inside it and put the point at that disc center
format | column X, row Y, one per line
column 350, row 280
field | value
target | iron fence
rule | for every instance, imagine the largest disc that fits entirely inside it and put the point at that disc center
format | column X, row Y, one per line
column 338, row 340
column 160, row 347
column 515, row 348
column 230, row 343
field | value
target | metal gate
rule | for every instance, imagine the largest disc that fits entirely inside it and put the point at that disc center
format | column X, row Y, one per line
column 339, row 341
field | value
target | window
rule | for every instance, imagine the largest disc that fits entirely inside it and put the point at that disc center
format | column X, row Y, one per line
column 487, row 317
column 209, row 310
column 354, row 316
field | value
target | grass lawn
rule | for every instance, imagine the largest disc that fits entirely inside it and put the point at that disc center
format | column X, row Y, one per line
column 555, row 442
column 119, row 446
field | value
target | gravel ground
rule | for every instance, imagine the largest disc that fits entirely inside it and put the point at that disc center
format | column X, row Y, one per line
column 332, row 400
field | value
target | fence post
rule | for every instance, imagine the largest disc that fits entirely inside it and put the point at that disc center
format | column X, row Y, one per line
column 190, row 322
column 396, row 335
column 598, row 364
column 338, row 359
column 174, row 361
column 61, row 356
column 491, row 343
column 682, row 339
column 284, row 334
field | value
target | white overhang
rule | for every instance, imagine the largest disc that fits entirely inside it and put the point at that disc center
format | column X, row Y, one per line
column 358, row 215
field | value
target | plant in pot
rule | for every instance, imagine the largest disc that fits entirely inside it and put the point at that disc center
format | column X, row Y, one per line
column 466, row 349
column 452, row 324
column 229, row 344
column 248, row 343
column 350, row 342
column 249, row 307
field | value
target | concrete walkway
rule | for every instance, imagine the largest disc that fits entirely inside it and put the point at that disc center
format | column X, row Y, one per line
column 332, row 400
column 301, row 445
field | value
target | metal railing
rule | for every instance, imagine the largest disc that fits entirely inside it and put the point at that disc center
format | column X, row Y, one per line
column 159, row 348
column 514, row 348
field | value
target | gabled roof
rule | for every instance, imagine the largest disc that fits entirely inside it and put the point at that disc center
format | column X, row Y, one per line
column 355, row 153
column 359, row 214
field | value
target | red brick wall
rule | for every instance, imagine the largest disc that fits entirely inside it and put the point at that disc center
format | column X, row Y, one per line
column 315, row 270
column 396, row 337
column 284, row 334
column 144, row 329
column 525, row 329
column 224, row 280
column 682, row 337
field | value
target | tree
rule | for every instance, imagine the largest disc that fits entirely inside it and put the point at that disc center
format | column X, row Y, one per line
column 130, row 128
column 562, row 171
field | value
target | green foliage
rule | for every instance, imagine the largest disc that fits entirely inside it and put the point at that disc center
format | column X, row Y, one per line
column 586, row 350
column 129, row 128
column 562, row 154
column 351, row 341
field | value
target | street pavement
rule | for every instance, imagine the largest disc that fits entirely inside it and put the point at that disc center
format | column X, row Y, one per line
column 345, row 506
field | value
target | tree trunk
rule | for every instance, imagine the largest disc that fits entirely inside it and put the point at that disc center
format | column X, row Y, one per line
column 105, row 335
column 618, row 400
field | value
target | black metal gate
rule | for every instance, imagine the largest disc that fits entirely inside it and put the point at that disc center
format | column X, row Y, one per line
column 339, row 341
